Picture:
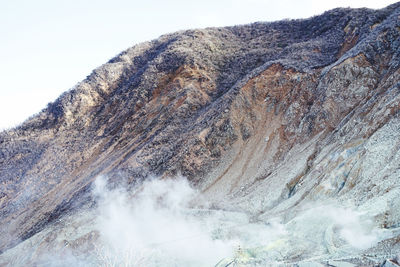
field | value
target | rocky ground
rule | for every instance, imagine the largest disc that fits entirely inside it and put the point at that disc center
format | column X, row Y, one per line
column 278, row 121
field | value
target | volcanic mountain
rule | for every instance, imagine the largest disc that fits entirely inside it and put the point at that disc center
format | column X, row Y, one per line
column 284, row 119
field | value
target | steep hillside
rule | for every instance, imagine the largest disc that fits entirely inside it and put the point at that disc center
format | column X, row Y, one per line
column 266, row 119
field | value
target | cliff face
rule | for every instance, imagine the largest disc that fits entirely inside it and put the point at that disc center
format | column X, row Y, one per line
column 261, row 118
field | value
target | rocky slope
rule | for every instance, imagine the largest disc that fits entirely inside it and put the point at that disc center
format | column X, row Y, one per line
column 263, row 119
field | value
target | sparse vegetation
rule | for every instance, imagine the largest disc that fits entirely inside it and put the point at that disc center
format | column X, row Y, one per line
column 201, row 103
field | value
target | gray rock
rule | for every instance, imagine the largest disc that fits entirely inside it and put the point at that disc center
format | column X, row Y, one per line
column 200, row 103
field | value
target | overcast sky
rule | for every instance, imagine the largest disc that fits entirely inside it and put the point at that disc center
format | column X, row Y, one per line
column 47, row 46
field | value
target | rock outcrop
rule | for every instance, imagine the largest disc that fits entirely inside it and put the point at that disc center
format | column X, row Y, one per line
column 261, row 118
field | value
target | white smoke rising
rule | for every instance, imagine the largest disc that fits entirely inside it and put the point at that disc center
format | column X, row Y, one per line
column 351, row 226
column 161, row 223
column 155, row 226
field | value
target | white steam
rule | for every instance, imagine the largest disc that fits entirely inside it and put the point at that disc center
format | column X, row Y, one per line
column 335, row 228
column 160, row 223
column 353, row 228
column 155, row 227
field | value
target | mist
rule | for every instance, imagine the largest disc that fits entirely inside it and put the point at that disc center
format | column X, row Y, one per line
column 167, row 223
column 156, row 227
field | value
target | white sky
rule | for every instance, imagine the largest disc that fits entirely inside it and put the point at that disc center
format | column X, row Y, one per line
column 47, row 46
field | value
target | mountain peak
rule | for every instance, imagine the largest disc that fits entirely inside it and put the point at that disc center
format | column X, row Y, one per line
column 262, row 118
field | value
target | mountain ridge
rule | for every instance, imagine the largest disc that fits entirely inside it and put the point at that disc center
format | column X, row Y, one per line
column 199, row 102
